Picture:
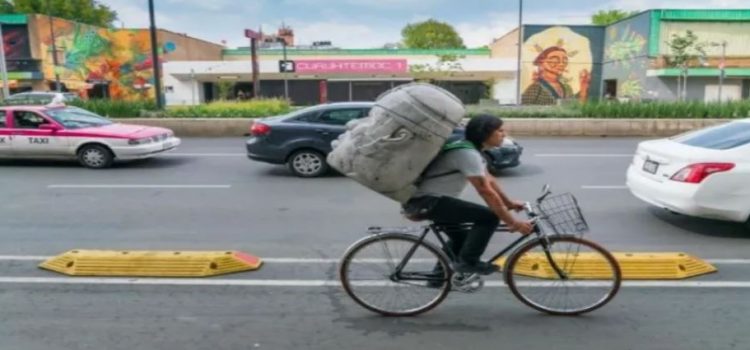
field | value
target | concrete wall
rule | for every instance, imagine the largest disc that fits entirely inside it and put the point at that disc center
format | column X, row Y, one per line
column 188, row 48
column 505, row 46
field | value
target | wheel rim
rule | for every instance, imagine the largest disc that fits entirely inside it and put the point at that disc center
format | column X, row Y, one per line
column 94, row 158
column 593, row 279
column 367, row 276
column 307, row 163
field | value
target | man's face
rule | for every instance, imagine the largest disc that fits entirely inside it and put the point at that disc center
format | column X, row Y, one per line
column 556, row 62
column 496, row 138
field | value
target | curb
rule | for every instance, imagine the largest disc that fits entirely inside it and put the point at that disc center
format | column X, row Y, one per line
column 236, row 127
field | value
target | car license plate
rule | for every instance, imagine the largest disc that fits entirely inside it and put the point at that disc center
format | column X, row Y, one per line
column 650, row 166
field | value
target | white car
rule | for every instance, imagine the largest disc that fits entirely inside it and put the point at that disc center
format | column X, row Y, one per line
column 61, row 132
column 704, row 173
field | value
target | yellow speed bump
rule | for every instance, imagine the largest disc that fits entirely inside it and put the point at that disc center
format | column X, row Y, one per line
column 151, row 263
column 634, row 266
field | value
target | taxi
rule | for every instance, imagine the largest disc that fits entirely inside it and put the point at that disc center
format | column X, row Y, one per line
column 57, row 131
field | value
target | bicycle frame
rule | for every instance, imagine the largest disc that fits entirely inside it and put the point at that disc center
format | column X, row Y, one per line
column 436, row 229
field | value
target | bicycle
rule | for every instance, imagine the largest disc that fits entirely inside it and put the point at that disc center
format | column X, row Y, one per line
column 419, row 276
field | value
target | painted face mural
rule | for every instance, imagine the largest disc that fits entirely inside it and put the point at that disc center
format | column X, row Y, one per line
column 560, row 69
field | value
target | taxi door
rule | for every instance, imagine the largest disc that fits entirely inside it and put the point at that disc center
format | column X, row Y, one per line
column 5, row 135
column 29, row 140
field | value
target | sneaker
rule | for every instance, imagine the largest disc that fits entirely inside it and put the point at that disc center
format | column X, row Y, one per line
column 480, row 267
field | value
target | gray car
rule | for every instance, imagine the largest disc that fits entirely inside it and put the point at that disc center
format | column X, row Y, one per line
column 302, row 139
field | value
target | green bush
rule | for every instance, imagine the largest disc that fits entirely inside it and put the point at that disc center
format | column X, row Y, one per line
column 228, row 109
column 615, row 110
column 117, row 108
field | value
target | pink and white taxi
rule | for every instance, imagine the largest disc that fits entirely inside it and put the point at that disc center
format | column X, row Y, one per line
column 57, row 131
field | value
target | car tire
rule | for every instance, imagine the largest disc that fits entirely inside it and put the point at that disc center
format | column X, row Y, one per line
column 95, row 157
column 307, row 163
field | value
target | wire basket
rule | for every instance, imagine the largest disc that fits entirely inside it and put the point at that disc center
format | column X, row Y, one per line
column 563, row 215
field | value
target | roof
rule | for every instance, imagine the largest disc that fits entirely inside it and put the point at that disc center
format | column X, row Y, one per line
column 361, row 52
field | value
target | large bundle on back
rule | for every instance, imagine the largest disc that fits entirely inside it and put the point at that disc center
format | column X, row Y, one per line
column 389, row 149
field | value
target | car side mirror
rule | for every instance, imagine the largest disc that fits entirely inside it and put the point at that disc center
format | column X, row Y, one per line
column 49, row 126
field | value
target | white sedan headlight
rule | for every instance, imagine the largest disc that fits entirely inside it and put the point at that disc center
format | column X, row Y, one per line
column 141, row 141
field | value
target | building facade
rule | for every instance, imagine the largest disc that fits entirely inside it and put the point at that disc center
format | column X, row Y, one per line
column 93, row 61
column 342, row 74
column 630, row 59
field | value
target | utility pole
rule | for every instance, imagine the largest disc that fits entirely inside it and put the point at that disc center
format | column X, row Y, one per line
column 54, row 46
column 3, row 65
column 286, row 81
column 155, row 56
column 254, row 36
column 520, row 44
column 722, row 66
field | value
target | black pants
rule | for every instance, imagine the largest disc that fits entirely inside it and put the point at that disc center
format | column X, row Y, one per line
column 469, row 244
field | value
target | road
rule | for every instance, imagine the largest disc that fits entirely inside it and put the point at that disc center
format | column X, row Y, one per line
column 208, row 196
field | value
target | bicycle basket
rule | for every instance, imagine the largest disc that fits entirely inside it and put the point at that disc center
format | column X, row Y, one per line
column 562, row 213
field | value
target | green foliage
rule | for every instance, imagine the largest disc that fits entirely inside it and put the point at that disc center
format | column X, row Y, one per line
column 607, row 17
column 225, row 89
column 83, row 11
column 614, row 110
column 229, row 109
column 684, row 48
column 117, row 108
column 431, row 34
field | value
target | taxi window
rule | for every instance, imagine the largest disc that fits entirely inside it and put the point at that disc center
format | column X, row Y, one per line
column 3, row 114
column 27, row 120
column 76, row 118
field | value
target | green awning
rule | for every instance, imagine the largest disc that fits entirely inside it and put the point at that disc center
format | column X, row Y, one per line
column 13, row 19
column 699, row 72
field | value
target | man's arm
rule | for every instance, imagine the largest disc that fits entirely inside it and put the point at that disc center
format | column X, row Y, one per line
column 509, row 203
column 493, row 199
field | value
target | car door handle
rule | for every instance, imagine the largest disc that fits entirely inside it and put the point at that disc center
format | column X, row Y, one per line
column 322, row 132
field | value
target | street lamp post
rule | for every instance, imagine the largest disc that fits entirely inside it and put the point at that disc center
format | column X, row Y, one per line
column 155, row 56
column 520, row 43
column 722, row 65
column 286, row 80
column 54, row 46
column 3, row 66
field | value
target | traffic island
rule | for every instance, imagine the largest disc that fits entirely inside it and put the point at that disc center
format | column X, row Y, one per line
column 151, row 263
column 634, row 266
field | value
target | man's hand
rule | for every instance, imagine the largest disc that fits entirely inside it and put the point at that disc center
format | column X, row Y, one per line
column 524, row 227
column 516, row 206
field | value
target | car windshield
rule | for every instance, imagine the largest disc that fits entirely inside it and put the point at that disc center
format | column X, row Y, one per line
column 76, row 118
column 720, row 137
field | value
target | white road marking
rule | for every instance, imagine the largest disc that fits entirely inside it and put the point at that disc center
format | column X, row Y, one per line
column 136, row 186
column 204, row 155
column 604, row 187
column 582, row 155
column 336, row 260
column 336, row 283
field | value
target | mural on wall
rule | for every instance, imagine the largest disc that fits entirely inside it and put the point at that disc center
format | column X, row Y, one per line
column 16, row 42
column 87, row 55
column 625, row 49
column 557, row 65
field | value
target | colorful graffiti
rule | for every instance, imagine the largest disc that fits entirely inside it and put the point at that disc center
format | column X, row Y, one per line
column 557, row 66
column 90, row 55
column 625, row 48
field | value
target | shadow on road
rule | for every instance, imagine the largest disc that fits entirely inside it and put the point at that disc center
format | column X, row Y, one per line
column 706, row 227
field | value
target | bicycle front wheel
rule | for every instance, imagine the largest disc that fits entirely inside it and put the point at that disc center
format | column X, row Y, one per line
column 563, row 275
column 369, row 274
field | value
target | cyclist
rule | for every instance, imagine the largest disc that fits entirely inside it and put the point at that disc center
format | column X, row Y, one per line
column 446, row 178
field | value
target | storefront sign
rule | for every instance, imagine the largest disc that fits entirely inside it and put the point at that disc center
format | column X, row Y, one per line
column 363, row 66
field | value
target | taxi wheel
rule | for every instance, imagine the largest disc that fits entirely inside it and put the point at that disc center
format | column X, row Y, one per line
column 307, row 163
column 95, row 157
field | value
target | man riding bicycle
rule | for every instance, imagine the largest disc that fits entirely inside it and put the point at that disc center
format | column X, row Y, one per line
column 446, row 178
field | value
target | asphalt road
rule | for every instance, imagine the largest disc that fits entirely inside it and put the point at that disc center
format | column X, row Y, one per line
column 208, row 196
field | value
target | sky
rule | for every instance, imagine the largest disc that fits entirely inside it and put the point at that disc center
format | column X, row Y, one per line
column 371, row 23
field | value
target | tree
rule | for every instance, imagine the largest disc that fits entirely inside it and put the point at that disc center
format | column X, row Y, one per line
column 607, row 17
column 84, row 11
column 684, row 49
column 431, row 34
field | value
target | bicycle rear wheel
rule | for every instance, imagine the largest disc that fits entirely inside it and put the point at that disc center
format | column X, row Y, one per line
column 368, row 274
column 567, row 276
